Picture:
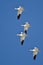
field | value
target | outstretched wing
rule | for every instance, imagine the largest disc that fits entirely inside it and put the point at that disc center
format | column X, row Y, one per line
column 34, row 57
column 25, row 31
column 18, row 16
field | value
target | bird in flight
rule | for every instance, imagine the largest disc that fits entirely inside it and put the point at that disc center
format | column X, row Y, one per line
column 26, row 26
column 35, row 52
column 22, row 37
column 20, row 10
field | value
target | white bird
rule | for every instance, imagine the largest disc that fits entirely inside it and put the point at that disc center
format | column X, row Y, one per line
column 22, row 37
column 20, row 10
column 26, row 26
column 35, row 52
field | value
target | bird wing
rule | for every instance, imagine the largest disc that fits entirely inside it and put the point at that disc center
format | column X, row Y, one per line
column 34, row 57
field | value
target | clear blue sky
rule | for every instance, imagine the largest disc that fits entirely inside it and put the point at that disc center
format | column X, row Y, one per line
column 11, row 51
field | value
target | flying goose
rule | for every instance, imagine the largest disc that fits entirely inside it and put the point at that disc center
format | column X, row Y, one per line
column 26, row 26
column 22, row 37
column 35, row 52
column 20, row 10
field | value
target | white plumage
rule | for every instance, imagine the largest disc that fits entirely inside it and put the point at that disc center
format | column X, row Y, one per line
column 20, row 10
column 26, row 26
column 22, row 37
column 35, row 52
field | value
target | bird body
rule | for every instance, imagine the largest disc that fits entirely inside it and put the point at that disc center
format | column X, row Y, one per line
column 26, row 26
column 22, row 37
column 20, row 10
column 35, row 52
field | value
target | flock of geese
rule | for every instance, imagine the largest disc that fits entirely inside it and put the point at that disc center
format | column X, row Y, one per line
column 23, row 35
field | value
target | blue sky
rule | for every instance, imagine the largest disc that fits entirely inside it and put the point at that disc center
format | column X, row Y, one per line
column 11, row 51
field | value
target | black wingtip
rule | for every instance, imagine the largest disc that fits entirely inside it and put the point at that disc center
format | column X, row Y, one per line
column 25, row 31
column 18, row 17
column 34, row 57
column 22, row 42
